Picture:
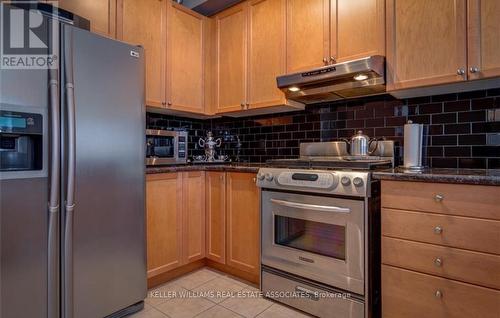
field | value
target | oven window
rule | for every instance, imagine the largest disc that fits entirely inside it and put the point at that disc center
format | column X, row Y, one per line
column 314, row 237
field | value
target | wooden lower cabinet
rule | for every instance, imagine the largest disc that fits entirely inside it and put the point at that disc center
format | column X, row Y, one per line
column 196, row 218
column 243, row 222
column 164, row 222
column 193, row 216
column 410, row 294
column 440, row 255
column 175, row 207
column 216, row 215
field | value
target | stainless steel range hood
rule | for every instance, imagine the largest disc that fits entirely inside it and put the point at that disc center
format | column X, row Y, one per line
column 350, row 79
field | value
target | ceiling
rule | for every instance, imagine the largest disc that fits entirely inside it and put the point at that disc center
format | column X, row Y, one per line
column 209, row 7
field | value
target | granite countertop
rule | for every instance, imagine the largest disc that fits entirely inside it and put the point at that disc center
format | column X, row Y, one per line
column 237, row 167
column 443, row 175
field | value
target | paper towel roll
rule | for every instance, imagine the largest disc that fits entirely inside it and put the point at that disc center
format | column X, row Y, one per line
column 413, row 138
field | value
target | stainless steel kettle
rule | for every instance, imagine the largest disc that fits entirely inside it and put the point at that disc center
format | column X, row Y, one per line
column 359, row 144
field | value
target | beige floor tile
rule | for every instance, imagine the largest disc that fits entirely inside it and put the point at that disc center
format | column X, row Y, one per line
column 280, row 311
column 248, row 306
column 218, row 289
column 148, row 312
column 161, row 294
column 185, row 307
column 218, row 312
column 195, row 279
column 238, row 281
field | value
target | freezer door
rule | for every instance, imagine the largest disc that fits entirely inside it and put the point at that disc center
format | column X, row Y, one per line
column 24, row 217
column 104, row 252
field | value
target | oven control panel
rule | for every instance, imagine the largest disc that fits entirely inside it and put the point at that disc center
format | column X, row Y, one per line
column 350, row 183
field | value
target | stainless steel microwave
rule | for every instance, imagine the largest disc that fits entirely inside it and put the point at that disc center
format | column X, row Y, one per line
column 164, row 147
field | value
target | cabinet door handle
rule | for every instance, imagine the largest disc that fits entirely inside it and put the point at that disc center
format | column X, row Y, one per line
column 438, row 197
column 242, row 105
column 474, row 69
column 333, row 60
column 438, row 294
column 438, row 230
column 460, row 71
column 438, row 262
column 325, row 61
column 169, row 103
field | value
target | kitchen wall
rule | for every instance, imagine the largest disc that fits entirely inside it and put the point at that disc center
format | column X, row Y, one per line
column 457, row 128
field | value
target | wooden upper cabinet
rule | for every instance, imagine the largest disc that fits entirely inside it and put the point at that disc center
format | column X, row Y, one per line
column 143, row 22
column 231, row 46
column 243, row 222
column 266, row 51
column 193, row 215
column 308, row 34
column 164, row 222
column 216, row 215
column 426, row 42
column 484, row 38
column 357, row 29
column 101, row 13
column 185, row 59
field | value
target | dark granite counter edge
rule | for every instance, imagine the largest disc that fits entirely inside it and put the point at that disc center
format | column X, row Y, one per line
column 250, row 168
column 462, row 176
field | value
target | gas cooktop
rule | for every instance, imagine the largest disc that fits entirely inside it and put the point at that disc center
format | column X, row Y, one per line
column 333, row 155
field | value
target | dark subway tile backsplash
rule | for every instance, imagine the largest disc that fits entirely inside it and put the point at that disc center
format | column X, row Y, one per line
column 456, row 128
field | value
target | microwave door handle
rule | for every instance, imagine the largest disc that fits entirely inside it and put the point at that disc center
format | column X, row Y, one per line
column 313, row 207
column 52, row 248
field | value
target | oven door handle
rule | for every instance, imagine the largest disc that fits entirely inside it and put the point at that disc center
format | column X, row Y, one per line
column 314, row 207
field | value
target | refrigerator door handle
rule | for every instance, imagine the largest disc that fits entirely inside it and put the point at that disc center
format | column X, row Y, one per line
column 53, row 237
column 71, row 170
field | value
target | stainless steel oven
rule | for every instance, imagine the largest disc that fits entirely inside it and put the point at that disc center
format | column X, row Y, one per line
column 165, row 147
column 317, row 237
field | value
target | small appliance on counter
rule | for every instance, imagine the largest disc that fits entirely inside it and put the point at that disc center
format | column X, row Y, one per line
column 164, row 147
column 413, row 145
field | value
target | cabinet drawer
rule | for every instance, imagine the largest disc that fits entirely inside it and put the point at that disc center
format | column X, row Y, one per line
column 467, row 200
column 454, row 231
column 471, row 267
column 413, row 295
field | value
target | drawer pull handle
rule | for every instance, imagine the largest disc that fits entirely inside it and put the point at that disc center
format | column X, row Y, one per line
column 308, row 293
column 438, row 294
column 438, row 197
column 438, row 230
column 438, row 262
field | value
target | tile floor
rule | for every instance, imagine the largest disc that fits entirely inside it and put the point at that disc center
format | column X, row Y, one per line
column 207, row 293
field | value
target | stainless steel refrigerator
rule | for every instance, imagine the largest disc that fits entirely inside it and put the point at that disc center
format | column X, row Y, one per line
column 72, row 183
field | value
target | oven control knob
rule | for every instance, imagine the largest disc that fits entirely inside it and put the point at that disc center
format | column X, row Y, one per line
column 260, row 176
column 269, row 177
column 345, row 181
column 358, row 182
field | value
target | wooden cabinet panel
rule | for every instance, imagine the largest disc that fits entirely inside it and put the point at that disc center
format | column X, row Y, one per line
column 358, row 29
column 484, row 44
column 193, row 214
column 466, row 266
column 243, row 222
column 101, row 13
column 414, row 295
column 455, row 231
column 143, row 22
column 266, row 51
column 426, row 42
column 231, row 39
column 185, row 59
column 216, row 215
column 457, row 199
column 308, row 34
column 164, row 222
